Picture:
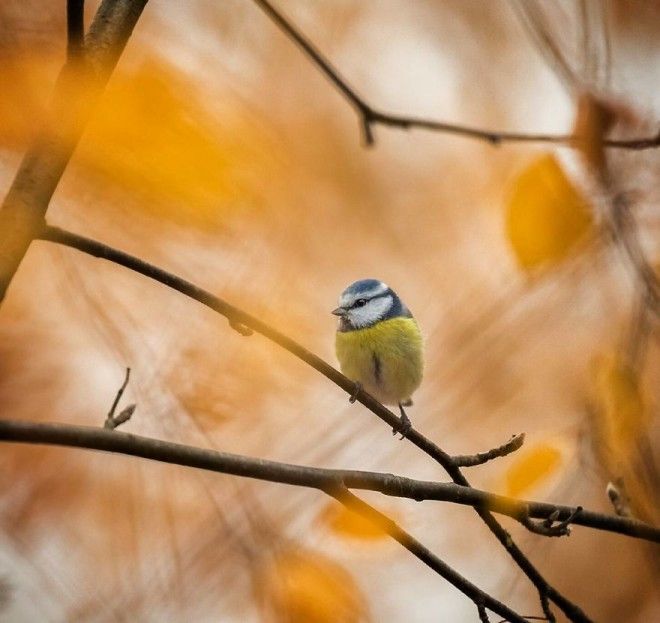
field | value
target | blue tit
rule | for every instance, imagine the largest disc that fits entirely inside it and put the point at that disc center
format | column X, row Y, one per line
column 379, row 344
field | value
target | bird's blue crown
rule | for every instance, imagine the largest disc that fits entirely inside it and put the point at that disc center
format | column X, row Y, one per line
column 370, row 289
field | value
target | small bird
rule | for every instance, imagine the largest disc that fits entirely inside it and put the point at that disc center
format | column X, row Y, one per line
column 379, row 344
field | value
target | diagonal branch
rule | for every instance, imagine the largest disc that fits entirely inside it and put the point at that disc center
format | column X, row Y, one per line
column 370, row 116
column 238, row 316
column 328, row 480
column 323, row 480
column 417, row 549
column 77, row 89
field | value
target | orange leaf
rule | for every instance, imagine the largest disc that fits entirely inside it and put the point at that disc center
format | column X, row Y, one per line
column 347, row 523
column 156, row 135
column 546, row 214
column 531, row 467
column 622, row 416
column 301, row 586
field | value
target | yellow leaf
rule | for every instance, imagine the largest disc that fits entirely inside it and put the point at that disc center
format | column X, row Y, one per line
column 301, row 586
column 158, row 136
column 621, row 422
column 531, row 467
column 546, row 214
column 347, row 523
column 622, row 416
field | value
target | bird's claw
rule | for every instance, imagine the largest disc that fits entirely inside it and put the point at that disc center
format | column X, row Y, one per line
column 356, row 391
column 405, row 426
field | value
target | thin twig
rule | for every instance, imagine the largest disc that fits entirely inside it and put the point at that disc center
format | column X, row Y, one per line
column 95, row 438
column 112, row 421
column 547, row 527
column 470, row 460
column 113, row 408
column 232, row 313
column 370, row 116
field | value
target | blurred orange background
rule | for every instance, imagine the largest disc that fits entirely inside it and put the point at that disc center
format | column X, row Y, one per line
column 220, row 153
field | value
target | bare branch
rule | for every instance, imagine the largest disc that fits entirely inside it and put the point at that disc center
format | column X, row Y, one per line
column 24, row 208
column 470, row 460
column 480, row 598
column 112, row 421
column 370, row 116
column 547, row 527
column 327, row 480
column 75, row 28
column 232, row 313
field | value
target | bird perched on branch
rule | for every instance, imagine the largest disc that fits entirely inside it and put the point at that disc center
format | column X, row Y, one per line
column 379, row 344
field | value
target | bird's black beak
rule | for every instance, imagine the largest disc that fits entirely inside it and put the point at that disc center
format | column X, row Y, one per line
column 340, row 311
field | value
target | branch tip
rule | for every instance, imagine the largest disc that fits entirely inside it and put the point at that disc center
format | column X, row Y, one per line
column 618, row 495
column 546, row 527
column 470, row 460
column 112, row 421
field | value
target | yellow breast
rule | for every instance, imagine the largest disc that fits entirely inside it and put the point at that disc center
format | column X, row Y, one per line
column 387, row 358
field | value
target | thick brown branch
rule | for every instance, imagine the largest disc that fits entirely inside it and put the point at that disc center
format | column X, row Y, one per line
column 470, row 460
column 77, row 90
column 370, row 116
column 238, row 316
column 328, row 480
column 75, row 28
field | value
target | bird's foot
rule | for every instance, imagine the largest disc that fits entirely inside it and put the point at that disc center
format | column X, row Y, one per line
column 405, row 426
column 356, row 391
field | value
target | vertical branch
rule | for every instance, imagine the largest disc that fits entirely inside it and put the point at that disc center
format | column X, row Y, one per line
column 75, row 28
column 24, row 208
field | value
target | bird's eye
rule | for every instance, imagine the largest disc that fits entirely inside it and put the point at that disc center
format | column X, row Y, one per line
column 360, row 302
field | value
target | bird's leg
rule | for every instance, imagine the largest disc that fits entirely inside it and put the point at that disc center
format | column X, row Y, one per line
column 406, row 424
column 356, row 391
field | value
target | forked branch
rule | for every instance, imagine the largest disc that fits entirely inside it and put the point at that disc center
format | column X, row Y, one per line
column 371, row 116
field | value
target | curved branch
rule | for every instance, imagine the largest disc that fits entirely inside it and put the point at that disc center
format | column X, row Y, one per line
column 328, row 481
column 237, row 316
column 335, row 482
column 370, row 116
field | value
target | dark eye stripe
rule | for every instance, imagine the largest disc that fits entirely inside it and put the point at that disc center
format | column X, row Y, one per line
column 373, row 298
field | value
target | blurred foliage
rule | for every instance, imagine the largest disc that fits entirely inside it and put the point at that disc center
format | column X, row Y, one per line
column 22, row 80
column 220, row 153
column 622, row 421
column 156, row 134
column 348, row 524
column 530, row 467
column 301, row 586
column 546, row 213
